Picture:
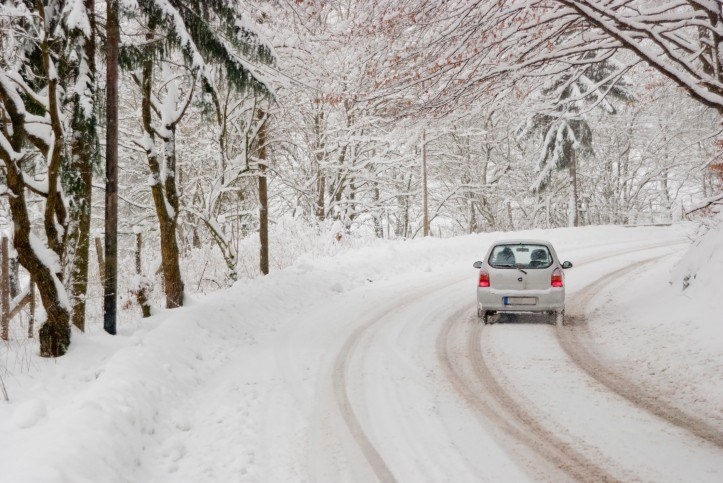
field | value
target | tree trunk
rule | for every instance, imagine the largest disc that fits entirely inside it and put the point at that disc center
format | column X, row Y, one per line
column 473, row 225
column 172, row 280
column 14, row 280
column 142, row 288
column 84, row 149
column 55, row 221
column 510, row 218
column 170, row 252
column 110, row 272
column 319, row 157
column 667, row 199
column 164, row 194
column 376, row 213
column 55, row 333
column 101, row 259
column 403, row 218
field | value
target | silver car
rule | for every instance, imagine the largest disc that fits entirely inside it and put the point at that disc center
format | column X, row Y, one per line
column 520, row 276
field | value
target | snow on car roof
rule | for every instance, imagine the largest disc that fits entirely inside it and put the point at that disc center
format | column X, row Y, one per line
column 522, row 242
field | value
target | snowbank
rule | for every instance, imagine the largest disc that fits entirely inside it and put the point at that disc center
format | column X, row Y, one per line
column 698, row 286
column 700, row 269
column 104, row 411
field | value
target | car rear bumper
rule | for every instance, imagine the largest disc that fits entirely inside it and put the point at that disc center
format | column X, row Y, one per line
column 549, row 300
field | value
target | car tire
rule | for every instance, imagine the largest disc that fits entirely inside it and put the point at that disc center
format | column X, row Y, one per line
column 483, row 316
column 560, row 318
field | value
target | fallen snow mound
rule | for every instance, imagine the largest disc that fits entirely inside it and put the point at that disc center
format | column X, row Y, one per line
column 698, row 272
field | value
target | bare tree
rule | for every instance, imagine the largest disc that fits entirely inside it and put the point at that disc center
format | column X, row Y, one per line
column 31, row 135
column 682, row 39
column 203, row 37
column 464, row 47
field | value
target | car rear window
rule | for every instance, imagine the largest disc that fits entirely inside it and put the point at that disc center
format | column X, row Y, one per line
column 520, row 255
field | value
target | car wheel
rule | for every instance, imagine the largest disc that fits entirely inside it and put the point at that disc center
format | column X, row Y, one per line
column 560, row 318
column 483, row 316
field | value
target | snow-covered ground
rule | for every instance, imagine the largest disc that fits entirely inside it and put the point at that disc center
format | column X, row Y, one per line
column 352, row 367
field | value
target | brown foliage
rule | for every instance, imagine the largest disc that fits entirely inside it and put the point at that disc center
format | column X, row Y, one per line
column 717, row 169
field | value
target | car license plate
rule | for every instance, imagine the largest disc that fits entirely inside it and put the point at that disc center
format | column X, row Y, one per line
column 519, row 300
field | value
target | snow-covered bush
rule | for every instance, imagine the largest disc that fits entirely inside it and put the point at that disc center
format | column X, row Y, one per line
column 291, row 238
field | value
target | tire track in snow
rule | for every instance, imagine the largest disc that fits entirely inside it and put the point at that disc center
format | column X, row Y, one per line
column 575, row 338
column 469, row 373
column 340, row 380
column 375, row 460
column 503, row 411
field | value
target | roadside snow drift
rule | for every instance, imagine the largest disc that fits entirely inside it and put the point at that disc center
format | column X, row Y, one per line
column 195, row 394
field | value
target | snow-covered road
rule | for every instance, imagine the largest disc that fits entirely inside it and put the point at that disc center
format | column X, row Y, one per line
column 373, row 366
column 420, row 391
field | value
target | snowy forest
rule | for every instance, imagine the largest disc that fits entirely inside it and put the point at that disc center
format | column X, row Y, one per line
column 250, row 133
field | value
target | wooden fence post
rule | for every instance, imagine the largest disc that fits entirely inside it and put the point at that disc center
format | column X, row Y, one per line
column 5, row 291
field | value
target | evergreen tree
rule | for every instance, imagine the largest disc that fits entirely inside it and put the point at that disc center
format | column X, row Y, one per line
column 565, row 133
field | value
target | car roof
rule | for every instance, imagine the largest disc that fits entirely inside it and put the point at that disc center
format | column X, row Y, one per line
column 523, row 241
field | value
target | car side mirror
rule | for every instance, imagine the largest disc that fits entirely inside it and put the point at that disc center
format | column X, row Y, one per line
column 566, row 264
column 477, row 265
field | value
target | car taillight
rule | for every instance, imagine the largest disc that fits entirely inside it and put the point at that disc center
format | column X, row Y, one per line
column 484, row 279
column 556, row 280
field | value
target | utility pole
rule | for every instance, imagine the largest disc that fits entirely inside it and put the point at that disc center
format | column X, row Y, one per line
column 425, row 205
column 574, row 218
column 263, row 197
column 110, row 284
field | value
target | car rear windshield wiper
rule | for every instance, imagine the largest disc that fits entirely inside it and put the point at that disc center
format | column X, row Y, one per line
column 510, row 266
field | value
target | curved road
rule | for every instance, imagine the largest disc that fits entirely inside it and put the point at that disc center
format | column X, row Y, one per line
column 419, row 390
